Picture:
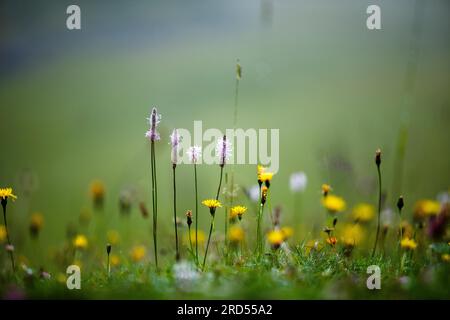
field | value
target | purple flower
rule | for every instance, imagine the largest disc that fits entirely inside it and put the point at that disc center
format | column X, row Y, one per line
column 194, row 153
column 175, row 140
column 223, row 150
column 154, row 120
column 298, row 181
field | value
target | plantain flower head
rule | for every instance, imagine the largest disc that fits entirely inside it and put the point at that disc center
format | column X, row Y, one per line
column 175, row 140
column 223, row 150
column 194, row 153
column 153, row 121
column 298, row 181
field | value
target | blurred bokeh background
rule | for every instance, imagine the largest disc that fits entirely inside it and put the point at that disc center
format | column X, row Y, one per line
column 73, row 104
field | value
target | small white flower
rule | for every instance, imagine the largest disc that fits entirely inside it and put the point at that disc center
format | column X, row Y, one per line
column 194, row 153
column 223, row 150
column 175, row 140
column 298, row 181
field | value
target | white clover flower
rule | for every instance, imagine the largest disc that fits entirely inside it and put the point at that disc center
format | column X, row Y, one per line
column 223, row 150
column 194, row 153
column 298, row 181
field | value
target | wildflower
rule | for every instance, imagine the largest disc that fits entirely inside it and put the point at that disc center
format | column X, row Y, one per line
column 445, row 257
column 406, row 230
column 212, row 204
column 264, row 191
column 200, row 237
column 298, row 181
column 125, row 201
column 194, row 153
column 426, row 208
column 115, row 260
column 36, row 223
column 363, row 212
column 438, row 224
column 175, row 140
column 352, row 235
column 275, row 238
column 6, row 193
column 9, row 248
column 264, row 176
column 326, row 188
column 237, row 211
column 113, row 237
column 287, row 232
column 223, row 150
column 408, row 244
column 189, row 218
column 2, row 233
column 80, row 242
column 97, row 193
column 378, row 163
column 236, row 234
column 138, row 253
column 332, row 241
column 378, row 157
column 153, row 120
column 334, row 204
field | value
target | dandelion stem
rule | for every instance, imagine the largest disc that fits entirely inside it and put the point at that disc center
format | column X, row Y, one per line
column 379, row 211
column 177, row 257
column 196, row 212
column 209, row 239
column 11, row 253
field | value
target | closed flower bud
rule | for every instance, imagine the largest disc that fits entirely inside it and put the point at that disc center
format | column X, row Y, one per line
column 400, row 203
column 378, row 157
column 108, row 248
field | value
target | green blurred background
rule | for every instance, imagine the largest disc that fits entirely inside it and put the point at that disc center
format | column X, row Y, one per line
column 74, row 103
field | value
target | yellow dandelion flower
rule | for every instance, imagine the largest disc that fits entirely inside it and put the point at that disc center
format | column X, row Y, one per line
column 200, row 237
column 363, row 212
column 80, row 242
column 352, row 235
column 275, row 238
column 236, row 234
column 408, row 244
column 445, row 257
column 113, row 237
column 237, row 211
column 97, row 189
column 287, row 232
column 425, row 208
column 333, row 203
column 6, row 193
column 212, row 203
column 407, row 229
column 115, row 260
column 326, row 188
column 2, row 233
column 138, row 253
column 264, row 175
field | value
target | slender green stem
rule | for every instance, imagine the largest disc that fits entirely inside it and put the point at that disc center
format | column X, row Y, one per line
column 177, row 257
column 209, row 240
column 379, row 211
column 11, row 253
column 154, row 203
column 108, row 266
column 236, row 100
column 220, row 183
column 190, row 244
column 196, row 212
